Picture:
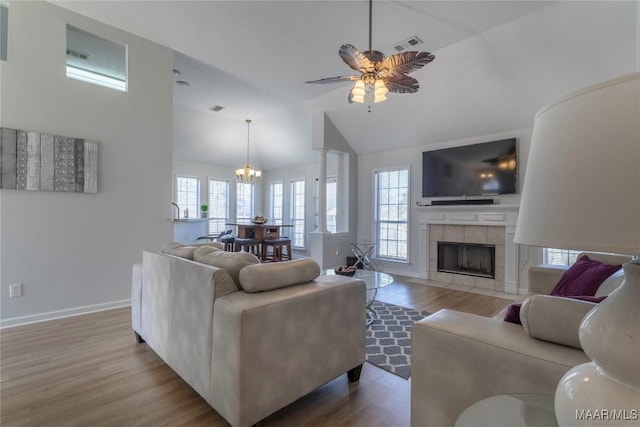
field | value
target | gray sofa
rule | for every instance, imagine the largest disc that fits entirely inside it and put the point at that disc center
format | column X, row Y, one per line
column 459, row 358
column 250, row 338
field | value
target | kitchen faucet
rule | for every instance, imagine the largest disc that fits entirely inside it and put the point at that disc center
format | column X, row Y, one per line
column 178, row 217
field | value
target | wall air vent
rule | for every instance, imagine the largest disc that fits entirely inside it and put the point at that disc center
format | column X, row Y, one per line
column 77, row 54
column 409, row 43
column 216, row 108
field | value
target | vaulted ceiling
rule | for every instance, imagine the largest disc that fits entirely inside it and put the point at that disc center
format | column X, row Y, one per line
column 496, row 63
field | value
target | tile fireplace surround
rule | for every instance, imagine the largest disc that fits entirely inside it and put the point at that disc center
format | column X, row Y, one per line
column 483, row 224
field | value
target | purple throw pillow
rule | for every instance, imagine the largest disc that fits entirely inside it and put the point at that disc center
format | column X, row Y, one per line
column 583, row 277
column 513, row 314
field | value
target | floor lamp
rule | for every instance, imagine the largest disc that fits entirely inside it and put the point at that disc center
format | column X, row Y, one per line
column 582, row 191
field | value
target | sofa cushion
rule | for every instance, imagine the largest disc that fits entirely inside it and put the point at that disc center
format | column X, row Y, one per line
column 187, row 250
column 265, row 277
column 233, row 262
column 554, row 319
column 583, row 277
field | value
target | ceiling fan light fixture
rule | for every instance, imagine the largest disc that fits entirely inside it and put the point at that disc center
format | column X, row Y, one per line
column 380, row 88
column 379, row 74
column 359, row 89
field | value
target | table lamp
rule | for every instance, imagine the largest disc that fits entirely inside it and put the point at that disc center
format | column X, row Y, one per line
column 582, row 192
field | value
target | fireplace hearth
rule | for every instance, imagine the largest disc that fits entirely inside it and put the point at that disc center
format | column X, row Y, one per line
column 470, row 259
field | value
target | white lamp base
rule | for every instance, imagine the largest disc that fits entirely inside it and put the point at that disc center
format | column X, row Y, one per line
column 607, row 390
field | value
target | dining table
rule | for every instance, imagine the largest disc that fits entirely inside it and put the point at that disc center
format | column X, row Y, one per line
column 260, row 232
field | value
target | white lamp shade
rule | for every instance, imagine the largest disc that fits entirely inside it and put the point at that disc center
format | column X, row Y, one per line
column 582, row 185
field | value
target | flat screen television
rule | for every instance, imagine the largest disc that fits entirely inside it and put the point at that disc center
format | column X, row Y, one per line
column 485, row 169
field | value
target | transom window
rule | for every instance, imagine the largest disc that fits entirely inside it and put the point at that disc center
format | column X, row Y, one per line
column 188, row 195
column 218, row 205
column 277, row 200
column 244, row 202
column 391, row 214
column 297, row 213
column 95, row 60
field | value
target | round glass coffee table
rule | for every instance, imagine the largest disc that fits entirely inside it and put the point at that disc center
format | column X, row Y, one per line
column 374, row 280
column 513, row 410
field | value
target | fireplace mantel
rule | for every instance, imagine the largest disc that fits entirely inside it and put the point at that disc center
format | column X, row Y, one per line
column 472, row 215
column 505, row 215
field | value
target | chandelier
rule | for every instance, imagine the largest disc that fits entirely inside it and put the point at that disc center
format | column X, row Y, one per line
column 247, row 173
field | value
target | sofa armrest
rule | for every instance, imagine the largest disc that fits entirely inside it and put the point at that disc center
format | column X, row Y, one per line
column 271, row 348
column 544, row 277
column 459, row 359
column 177, row 310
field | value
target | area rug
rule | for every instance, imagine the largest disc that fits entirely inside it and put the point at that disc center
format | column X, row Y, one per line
column 389, row 337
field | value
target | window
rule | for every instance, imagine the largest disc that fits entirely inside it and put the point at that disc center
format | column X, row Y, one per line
column 297, row 213
column 188, row 196
column 244, row 202
column 559, row 256
column 332, row 201
column 391, row 214
column 277, row 200
column 95, row 60
column 218, row 206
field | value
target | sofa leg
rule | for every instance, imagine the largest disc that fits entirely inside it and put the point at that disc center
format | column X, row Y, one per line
column 139, row 339
column 354, row 374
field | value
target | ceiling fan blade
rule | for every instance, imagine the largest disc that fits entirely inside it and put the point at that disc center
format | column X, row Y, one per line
column 335, row 79
column 355, row 59
column 402, row 84
column 404, row 63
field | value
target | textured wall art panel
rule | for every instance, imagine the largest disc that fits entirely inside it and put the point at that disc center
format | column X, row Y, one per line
column 39, row 161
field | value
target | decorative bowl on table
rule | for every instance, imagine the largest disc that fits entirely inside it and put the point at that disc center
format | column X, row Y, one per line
column 345, row 271
column 259, row 220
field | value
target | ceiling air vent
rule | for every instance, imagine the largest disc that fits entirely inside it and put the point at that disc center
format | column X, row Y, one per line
column 77, row 54
column 216, row 108
column 409, row 43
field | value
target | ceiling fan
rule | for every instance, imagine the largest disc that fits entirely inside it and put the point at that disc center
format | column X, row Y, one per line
column 379, row 74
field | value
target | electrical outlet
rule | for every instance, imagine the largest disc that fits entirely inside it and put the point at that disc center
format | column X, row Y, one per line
column 15, row 290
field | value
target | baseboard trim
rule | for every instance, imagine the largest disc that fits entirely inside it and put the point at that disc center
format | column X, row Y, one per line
column 60, row 314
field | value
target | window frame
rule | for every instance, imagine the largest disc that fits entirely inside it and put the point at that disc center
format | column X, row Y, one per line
column 187, row 205
column 273, row 218
column 251, row 185
column 212, row 219
column 569, row 255
column 377, row 221
column 292, row 217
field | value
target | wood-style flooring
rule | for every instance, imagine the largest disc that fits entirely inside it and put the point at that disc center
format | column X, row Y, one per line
column 89, row 371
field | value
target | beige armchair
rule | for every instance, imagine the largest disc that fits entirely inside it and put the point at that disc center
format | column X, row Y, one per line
column 459, row 358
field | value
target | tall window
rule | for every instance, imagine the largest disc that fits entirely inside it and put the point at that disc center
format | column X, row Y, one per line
column 188, row 195
column 297, row 213
column 332, row 202
column 218, row 205
column 560, row 256
column 244, row 202
column 391, row 214
column 277, row 200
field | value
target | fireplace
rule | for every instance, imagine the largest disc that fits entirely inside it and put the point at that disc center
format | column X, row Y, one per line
column 470, row 259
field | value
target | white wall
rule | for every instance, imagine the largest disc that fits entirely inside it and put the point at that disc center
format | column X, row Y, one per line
column 412, row 158
column 76, row 250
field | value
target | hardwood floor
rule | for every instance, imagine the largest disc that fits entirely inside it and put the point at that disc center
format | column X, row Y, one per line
column 89, row 371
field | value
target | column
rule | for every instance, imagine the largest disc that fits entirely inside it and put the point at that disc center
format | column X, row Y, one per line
column 322, row 192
